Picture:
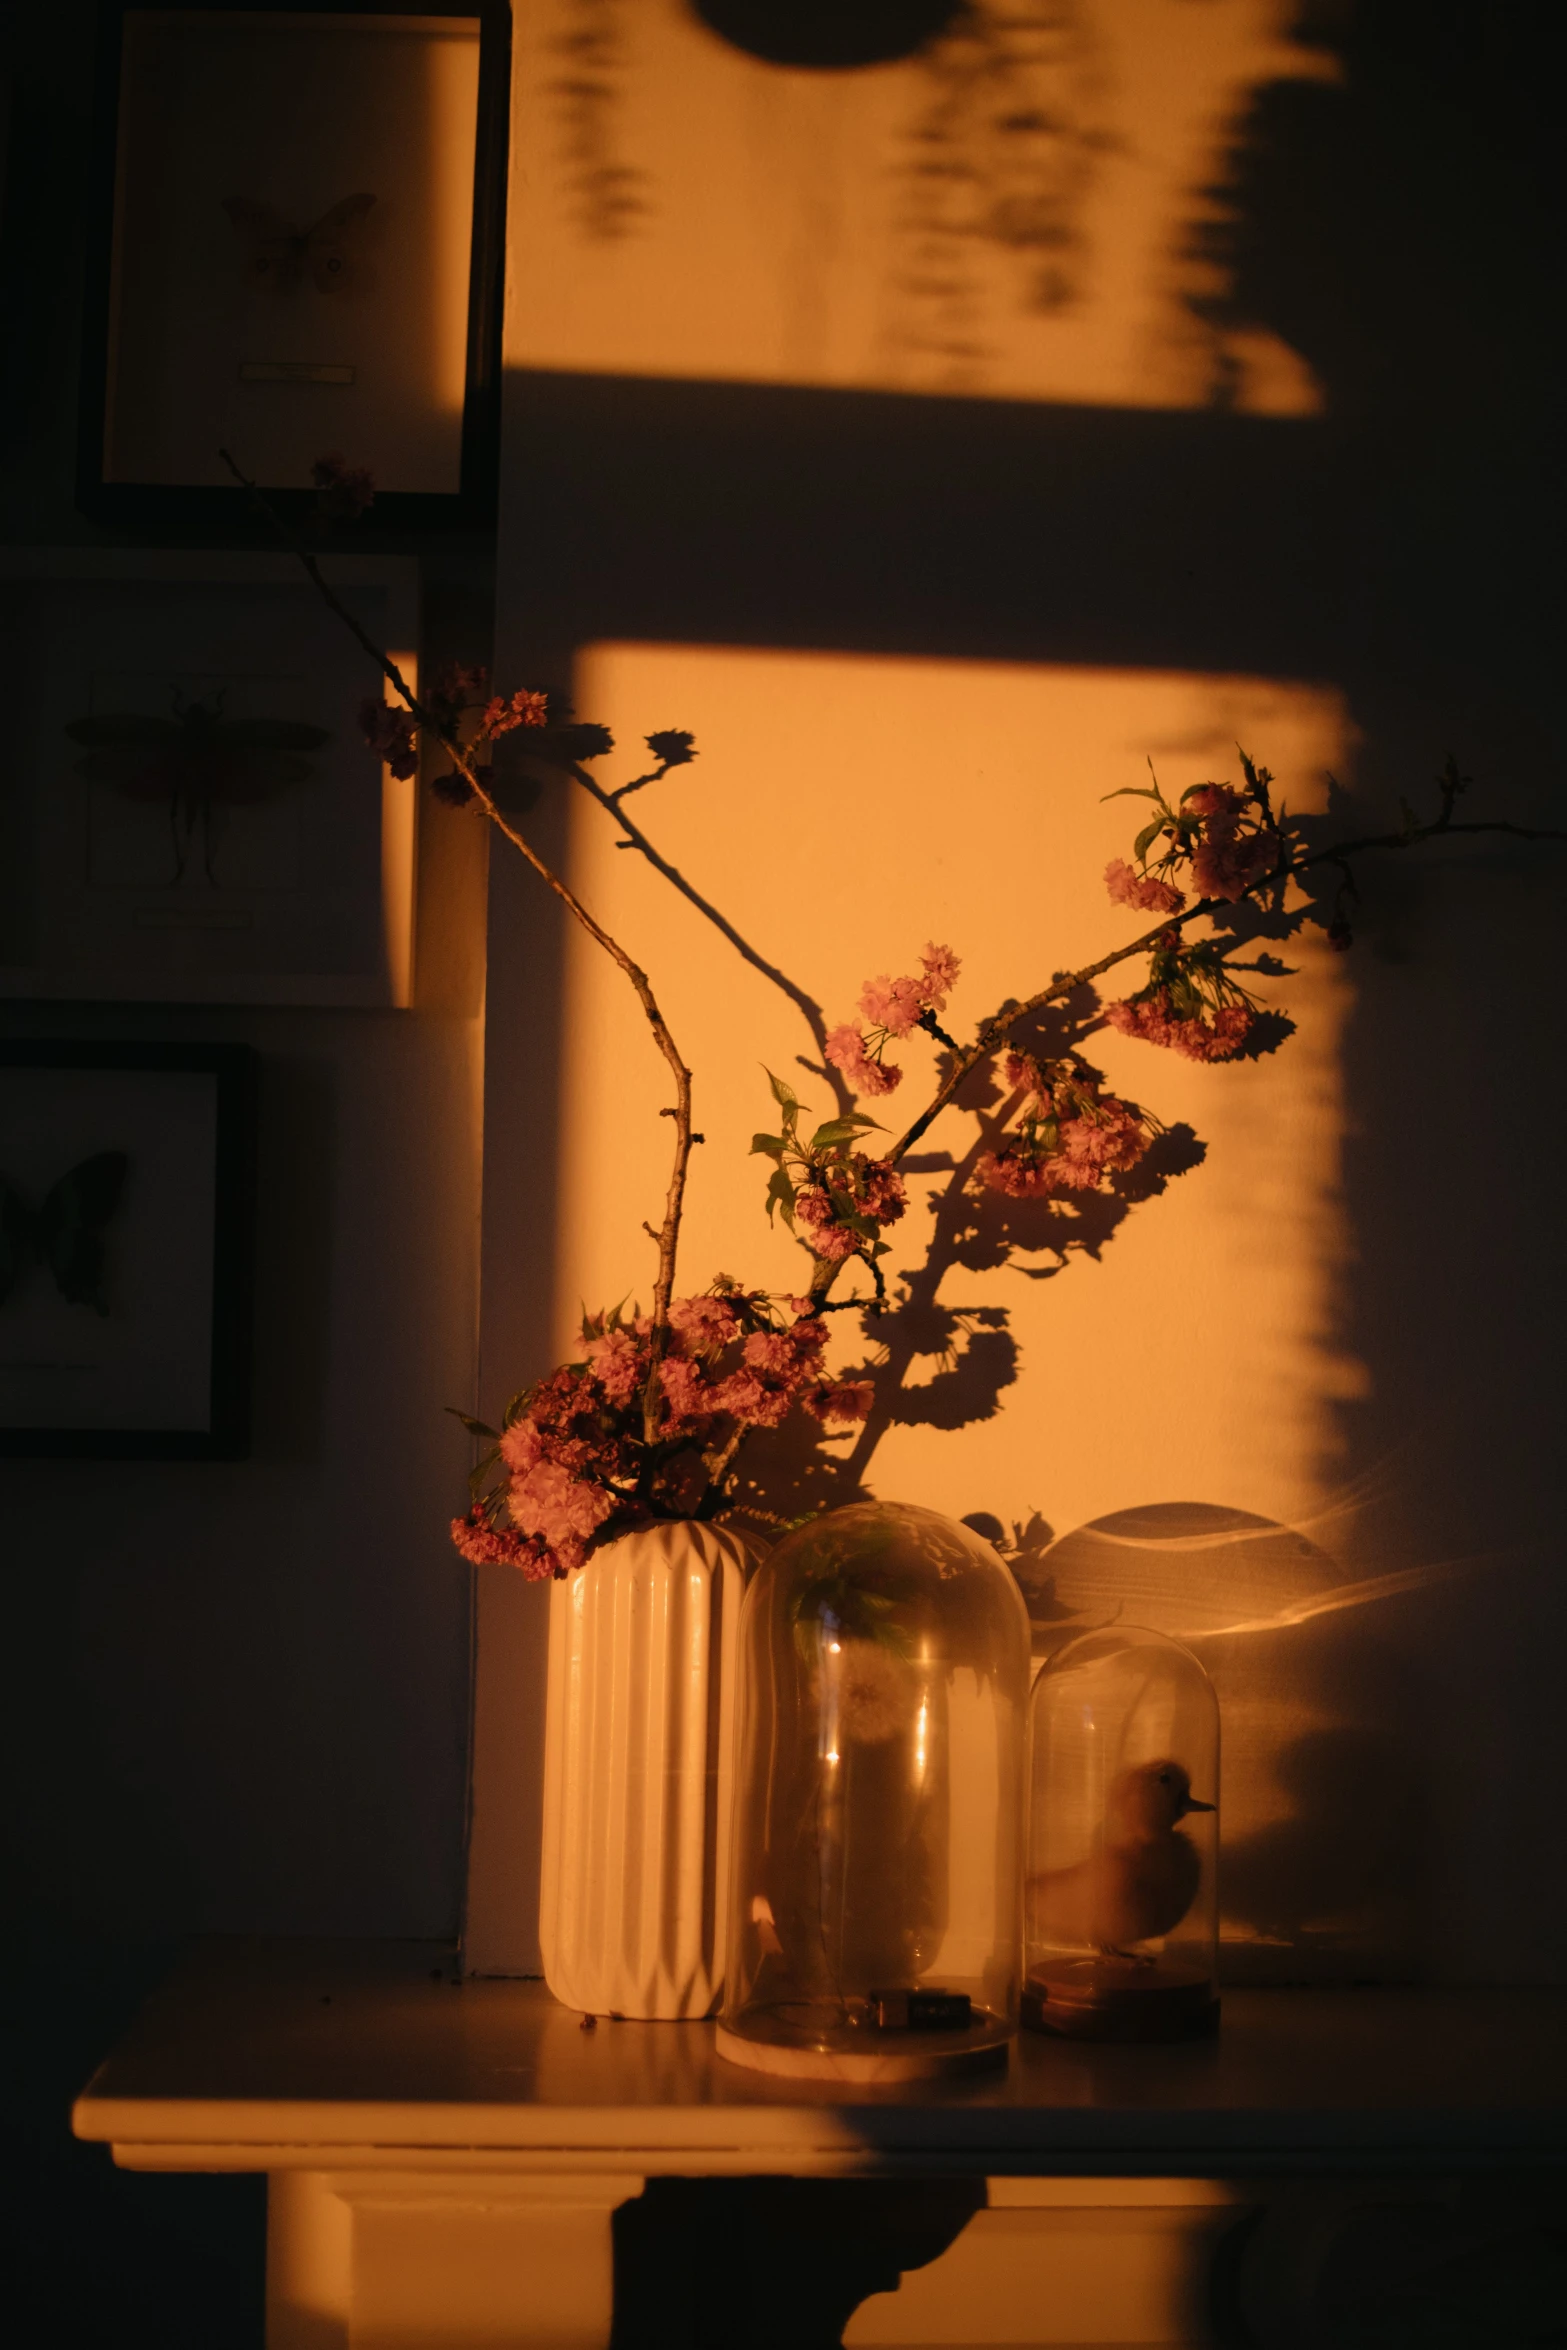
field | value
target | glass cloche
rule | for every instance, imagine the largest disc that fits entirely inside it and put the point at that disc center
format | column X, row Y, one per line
column 874, row 1922
column 1121, row 1900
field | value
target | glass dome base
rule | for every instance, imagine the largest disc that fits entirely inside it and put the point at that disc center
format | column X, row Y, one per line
column 1119, row 1999
column 823, row 2047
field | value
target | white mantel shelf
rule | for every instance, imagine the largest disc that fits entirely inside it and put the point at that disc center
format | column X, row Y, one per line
column 421, row 2133
column 277, row 2054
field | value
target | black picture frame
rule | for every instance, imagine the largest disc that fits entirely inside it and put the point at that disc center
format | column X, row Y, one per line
column 218, row 1345
column 200, row 511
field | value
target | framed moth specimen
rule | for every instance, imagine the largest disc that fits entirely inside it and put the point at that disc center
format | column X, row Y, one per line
column 126, row 1199
column 298, row 224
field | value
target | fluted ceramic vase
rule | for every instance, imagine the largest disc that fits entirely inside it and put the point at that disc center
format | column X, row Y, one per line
column 638, row 1772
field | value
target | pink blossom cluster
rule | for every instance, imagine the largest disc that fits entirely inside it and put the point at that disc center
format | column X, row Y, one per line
column 487, row 1545
column 852, row 1191
column 1016, row 1172
column 867, row 1073
column 457, row 689
column 1145, row 893
column 1216, row 1035
column 1227, row 862
column 575, row 1460
column 888, row 1008
column 774, row 1370
column 1069, row 1136
column 1101, row 1136
column 392, row 734
column 841, row 1403
column 455, row 680
column 343, row 491
column 506, row 711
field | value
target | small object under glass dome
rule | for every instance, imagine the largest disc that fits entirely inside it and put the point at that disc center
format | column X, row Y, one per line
column 1121, row 1900
column 874, row 1927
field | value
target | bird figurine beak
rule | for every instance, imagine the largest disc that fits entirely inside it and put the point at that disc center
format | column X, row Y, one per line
column 1191, row 1804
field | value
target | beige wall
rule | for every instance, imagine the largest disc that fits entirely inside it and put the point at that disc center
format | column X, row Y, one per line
column 238, row 1689
column 917, row 639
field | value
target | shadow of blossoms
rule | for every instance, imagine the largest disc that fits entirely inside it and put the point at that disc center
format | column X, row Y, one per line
column 724, row 1401
column 931, row 1358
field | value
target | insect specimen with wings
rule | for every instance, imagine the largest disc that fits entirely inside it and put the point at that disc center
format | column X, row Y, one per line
column 64, row 1233
column 280, row 256
column 198, row 762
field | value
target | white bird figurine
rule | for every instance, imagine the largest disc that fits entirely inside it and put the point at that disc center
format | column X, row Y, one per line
column 1142, row 1880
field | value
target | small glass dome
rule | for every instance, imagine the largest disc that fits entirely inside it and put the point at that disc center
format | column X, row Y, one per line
column 1121, row 1902
column 874, row 1921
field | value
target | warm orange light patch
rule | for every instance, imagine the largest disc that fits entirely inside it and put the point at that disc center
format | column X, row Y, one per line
column 1012, row 213
column 843, row 811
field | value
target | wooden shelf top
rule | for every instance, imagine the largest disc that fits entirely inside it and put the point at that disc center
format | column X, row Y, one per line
column 265, row 2055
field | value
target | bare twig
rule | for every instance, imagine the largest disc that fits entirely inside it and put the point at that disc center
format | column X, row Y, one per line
column 668, row 1237
column 633, row 837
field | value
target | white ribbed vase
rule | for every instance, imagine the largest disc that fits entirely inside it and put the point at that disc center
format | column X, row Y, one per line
column 638, row 1772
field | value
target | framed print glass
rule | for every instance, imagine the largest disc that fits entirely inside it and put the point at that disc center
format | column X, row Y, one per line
column 297, row 250
column 188, row 811
column 126, row 1200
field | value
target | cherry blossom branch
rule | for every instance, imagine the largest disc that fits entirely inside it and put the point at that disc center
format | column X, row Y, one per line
column 994, row 1031
column 668, row 1236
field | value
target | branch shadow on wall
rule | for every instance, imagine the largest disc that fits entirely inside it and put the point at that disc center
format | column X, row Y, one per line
column 942, row 1363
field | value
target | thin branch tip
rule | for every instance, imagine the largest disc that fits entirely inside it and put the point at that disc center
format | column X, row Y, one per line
column 668, row 1238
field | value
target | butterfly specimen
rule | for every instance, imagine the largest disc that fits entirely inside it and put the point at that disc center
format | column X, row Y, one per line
column 66, row 1232
column 198, row 761
column 281, row 256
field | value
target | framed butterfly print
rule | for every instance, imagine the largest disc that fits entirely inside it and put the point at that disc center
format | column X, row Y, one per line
column 188, row 812
column 297, row 249
column 126, row 1200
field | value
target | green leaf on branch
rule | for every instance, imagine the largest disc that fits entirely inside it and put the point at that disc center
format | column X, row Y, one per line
column 771, row 1146
column 1146, row 838
column 780, row 1195
column 474, row 1427
column 784, row 1095
column 840, row 1130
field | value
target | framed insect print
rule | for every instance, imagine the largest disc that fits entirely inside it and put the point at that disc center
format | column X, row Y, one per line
column 188, row 810
column 126, row 1204
column 298, row 235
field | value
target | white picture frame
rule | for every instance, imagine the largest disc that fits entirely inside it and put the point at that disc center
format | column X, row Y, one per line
column 234, row 878
column 291, row 260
